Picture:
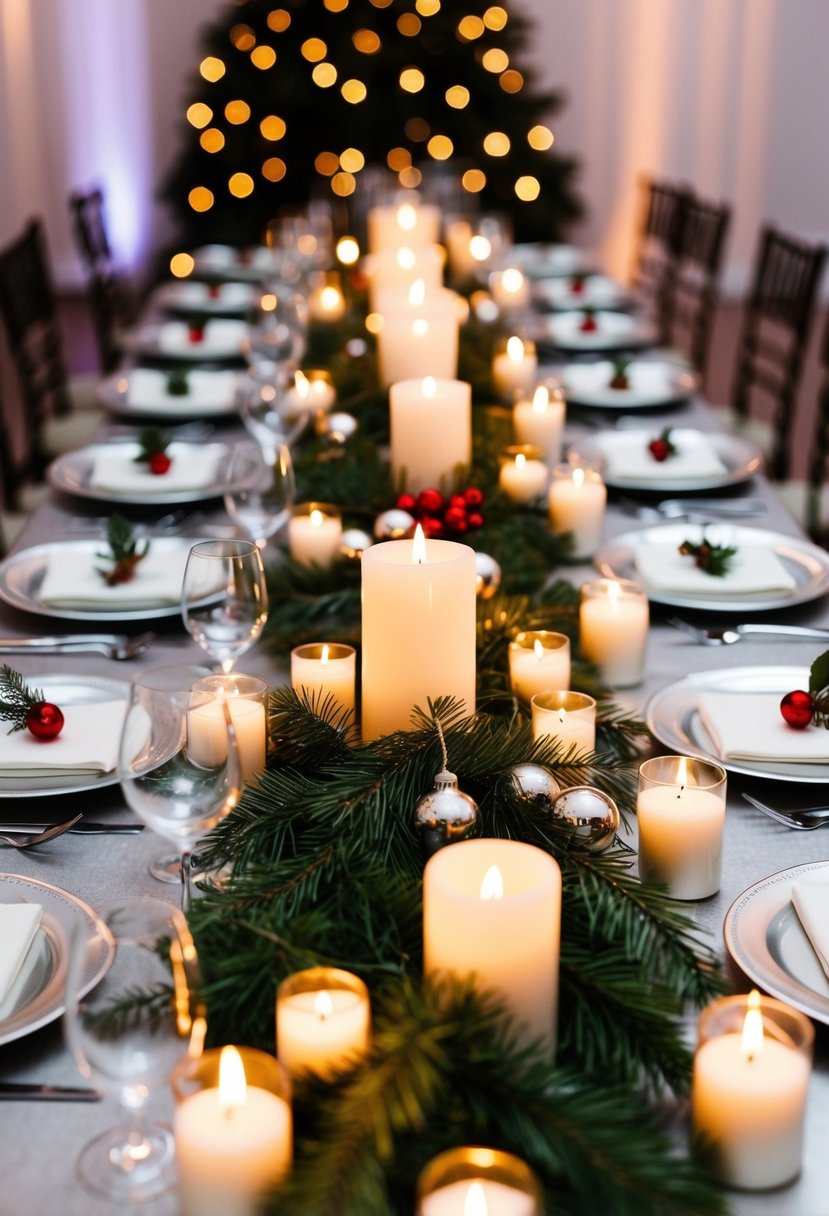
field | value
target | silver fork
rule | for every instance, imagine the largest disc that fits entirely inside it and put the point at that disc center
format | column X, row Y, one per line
column 28, row 842
column 727, row 636
column 807, row 820
column 112, row 645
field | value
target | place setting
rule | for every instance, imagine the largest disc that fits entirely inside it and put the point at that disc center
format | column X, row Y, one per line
column 195, row 340
column 183, row 393
column 628, row 383
column 593, row 331
column 678, row 459
column 220, row 298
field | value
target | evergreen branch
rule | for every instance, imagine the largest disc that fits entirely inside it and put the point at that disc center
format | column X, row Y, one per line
column 16, row 698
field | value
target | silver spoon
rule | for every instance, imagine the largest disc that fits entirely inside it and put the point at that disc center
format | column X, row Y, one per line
column 28, row 842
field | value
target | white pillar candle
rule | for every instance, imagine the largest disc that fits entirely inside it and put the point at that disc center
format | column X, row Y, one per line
column 311, row 391
column 323, row 1019
column 327, row 669
column 314, row 534
column 569, row 717
column 614, row 617
column 539, row 661
column 431, row 432
column 514, row 368
column 245, row 698
column 418, row 629
column 410, row 223
column 749, row 1090
column 418, row 341
column 397, row 269
column 492, row 909
column 462, row 264
column 510, row 289
column 233, row 1142
column 540, row 422
column 680, row 810
column 577, row 499
column 523, row 474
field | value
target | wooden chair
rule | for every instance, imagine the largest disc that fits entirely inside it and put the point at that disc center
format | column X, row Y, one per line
column 773, row 339
column 694, row 289
column 20, row 491
column 808, row 498
column 110, row 301
column 657, row 249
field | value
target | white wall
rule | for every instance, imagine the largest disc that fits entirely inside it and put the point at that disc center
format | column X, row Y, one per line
column 730, row 95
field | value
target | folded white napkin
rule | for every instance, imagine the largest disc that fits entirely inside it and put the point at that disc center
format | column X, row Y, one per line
column 598, row 292
column 565, row 328
column 71, row 580
column 222, row 338
column 192, row 468
column 627, row 457
column 218, row 256
column 206, row 390
column 224, row 295
column 748, row 726
column 650, row 383
column 811, row 903
column 539, row 260
column 88, row 743
column 753, row 570
column 19, row 924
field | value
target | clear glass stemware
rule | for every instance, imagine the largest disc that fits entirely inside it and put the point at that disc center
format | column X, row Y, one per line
column 260, row 490
column 224, row 598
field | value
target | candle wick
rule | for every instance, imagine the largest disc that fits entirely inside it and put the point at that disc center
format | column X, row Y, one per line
column 681, row 792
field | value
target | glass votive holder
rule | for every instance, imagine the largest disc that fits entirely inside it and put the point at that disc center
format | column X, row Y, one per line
column 311, row 393
column 538, row 418
column 539, row 661
column 246, row 698
column 323, row 1021
column 325, row 670
column 614, row 617
column 750, row 1082
column 479, row 1180
column 522, row 474
column 569, row 717
column 514, row 367
column 680, row 809
column 233, row 1130
column 510, row 289
column 314, row 533
column 577, row 498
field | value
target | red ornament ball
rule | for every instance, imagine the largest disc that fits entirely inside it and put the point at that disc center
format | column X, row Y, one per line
column 457, row 503
column 455, row 519
column 44, row 720
column 475, row 519
column 160, row 463
column 430, row 502
column 432, row 526
column 406, row 502
column 797, row 708
column 474, row 497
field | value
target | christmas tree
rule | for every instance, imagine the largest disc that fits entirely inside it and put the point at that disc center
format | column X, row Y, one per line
column 297, row 98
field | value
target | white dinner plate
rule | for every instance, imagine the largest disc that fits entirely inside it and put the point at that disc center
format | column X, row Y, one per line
column 71, row 473
column 233, row 299
column 654, row 383
column 672, row 715
column 741, row 458
column 228, row 262
column 147, row 341
column 541, row 261
column 113, row 393
column 41, row 999
column 22, row 572
column 615, row 331
column 597, row 291
column 765, row 938
column 66, row 690
column 807, row 563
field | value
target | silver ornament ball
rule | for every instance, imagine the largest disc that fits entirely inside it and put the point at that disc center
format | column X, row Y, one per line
column 487, row 576
column 592, row 814
column 445, row 815
column 353, row 544
column 340, row 427
column 393, row 525
column 531, row 783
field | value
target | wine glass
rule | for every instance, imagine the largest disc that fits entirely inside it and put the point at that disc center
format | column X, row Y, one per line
column 178, row 760
column 128, row 1032
column 260, row 489
column 278, row 327
column 224, row 598
column 264, row 403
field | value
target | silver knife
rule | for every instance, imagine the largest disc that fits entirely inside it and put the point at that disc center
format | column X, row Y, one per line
column 63, row 639
column 25, row 1092
column 82, row 827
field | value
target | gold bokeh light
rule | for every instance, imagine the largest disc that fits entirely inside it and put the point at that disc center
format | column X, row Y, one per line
column 398, row 158
column 263, row 57
column 240, row 185
column 440, row 147
column 470, row 28
column 354, row 91
column 343, row 184
column 496, row 143
column 410, row 178
column 511, row 81
column 200, row 198
column 412, row 80
column 473, row 180
column 427, row 8
column 495, row 60
column 212, row 140
column 212, row 69
column 336, row 6
column 327, row 163
column 409, row 25
column 324, row 75
column 417, row 129
column 278, row 20
column 527, row 188
column 348, row 251
column 199, row 115
column 495, row 18
column 243, row 38
column 273, row 127
column 237, row 112
column 540, row 137
column 181, row 265
column 352, row 160
column 313, row 49
column 366, row 41
column 274, row 169
column 457, row 97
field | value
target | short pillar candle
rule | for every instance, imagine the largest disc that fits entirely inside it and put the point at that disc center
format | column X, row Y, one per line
column 323, row 1021
column 431, row 432
column 325, row 669
column 314, row 533
column 680, row 809
column 614, row 618
column 420, row 340
column 539, row 661
column 492, row 909
column 510, row 289
column 749, row 1089
column 522, row 474
column 569, row 717
column 480, row 1182
column 246, row 698
column 577, row 500
column 514, row 368
column 410, row 223
column 540, row 420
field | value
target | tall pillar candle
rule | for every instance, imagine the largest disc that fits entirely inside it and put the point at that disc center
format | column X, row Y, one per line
column 431, row 432
column 418, row 629
column 577, row 498
column 410, row 223
column 540, row 421
column 396, row 270
column 680, row 809
column 418, row 342
column 246, row 700
column 614, row 618
column 326, row 669
column 323, row 1021
column 492, row 909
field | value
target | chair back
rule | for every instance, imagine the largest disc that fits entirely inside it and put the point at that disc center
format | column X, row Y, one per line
column 695, row 288
column 657, row 248
column 109, row 299
column 820, row 450
column 775, row 332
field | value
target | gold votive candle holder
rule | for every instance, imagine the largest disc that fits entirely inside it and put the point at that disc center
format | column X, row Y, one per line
column 323, row 1021
column 473, row 1179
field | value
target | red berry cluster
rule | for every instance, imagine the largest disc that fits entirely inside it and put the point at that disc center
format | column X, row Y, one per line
column 440, row 516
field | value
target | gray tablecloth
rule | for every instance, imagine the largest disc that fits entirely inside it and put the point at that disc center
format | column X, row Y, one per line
column 39, row 1143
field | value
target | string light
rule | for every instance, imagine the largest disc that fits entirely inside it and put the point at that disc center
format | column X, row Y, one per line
column 278, row 20
column 313, row 49
column 237, row 112
column 511, row 81
column 181, row 265
column 528, row 188
column 495, row 18
column 343, row 184
column 541, row 138
column 457, row 97
column 412, row 80
column 240, row 185
column 212, row 140
column 366, row 41
column 200, row 198
column 496, row 143
column 199, row 114
column 409, row 25
column 470, row 28
column 274, row 169
column 263, row 57
column 440, row 147
column 324, row 75
column 495, row 60
column 354, row 91
column 473, row 180
column 352, row 160
column 212, row 69
column 272, row 127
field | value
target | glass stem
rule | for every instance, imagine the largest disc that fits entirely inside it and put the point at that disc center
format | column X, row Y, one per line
column 186, row 892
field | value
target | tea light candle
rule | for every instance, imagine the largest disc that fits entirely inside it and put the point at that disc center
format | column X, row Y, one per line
column 311, row 391
column 680, row 809
column 514, row 368
column 323, row 1020
column 473, row 1181
column 314, row 533
column 510, row 289
column 431, row 432
column 749, row 1089
column 245, row 698
column 614, row 618
column 492, row 908
column 523, row 474
column 233, row 1142
column 540, row 421
column 411, row 223
column 577, row 499
column 326, row 303
column 327, row 669
column 418, row 629
column 569, row 717
column 539, row 661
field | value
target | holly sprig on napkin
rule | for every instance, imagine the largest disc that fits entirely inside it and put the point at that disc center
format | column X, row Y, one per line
column 125, row 552
column 153, row 444
column 713, row 559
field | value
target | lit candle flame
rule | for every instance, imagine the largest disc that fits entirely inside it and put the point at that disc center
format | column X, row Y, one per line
column 406, row 217
column 324, row 655
column 538, row 649
column 520, row 460
column 316, row 517
column 562, row 715
column 492, row 886
column 474, row 1201
column 302, row 385
column 420, row 327
column 512, row 280
column 753, row 1027
column 417, row 292
column 330, row 299
column 418, row 547
column 515, row 349
column 232, row 1084
column 613, row 594
column 682, row 775
column 480, row 248
column 406, row 258
column 429, row 387
column 541, row 399
column 578, row 478
column 323, row 1005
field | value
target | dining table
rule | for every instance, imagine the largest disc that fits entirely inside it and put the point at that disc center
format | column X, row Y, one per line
column 40, row 1141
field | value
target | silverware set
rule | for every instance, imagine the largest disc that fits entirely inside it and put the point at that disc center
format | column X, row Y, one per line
column 111, row 645
column 805, row 819
column 728, row 635
column 28, row 835
column 695, row 509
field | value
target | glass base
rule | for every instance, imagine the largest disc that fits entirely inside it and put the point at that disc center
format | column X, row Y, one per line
column 128, row 1166
column 166, row 868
